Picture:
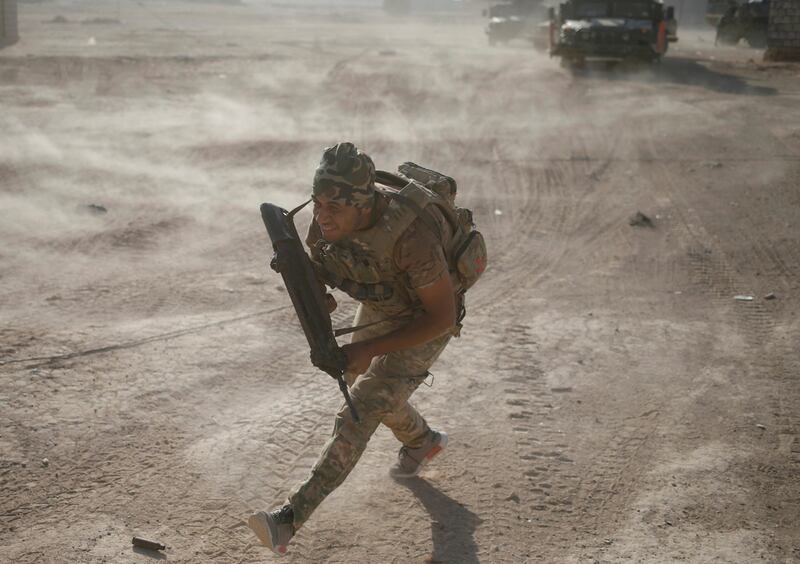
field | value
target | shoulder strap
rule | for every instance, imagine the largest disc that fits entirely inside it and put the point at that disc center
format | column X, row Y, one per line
column 418, row 209
column 390, row 179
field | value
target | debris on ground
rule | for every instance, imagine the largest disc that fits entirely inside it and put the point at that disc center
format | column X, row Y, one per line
column 101, row 21
column 640, row 220
column 148, row 544
column 743, row 298
column 513, row 497
column 94, row 209
column 762, row 427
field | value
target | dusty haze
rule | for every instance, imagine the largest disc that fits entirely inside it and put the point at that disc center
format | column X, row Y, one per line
column 609, row 400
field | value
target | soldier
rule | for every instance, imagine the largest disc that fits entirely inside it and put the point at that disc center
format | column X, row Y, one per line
column 360, row 237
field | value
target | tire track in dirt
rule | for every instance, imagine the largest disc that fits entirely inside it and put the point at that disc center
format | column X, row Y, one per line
column 545, row 461
column 770, row 347
column 286, row 439
column 301, row 410
column 554, row 484
column 585, row 493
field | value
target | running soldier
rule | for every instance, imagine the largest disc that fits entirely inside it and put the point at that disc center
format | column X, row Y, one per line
column 362, row 236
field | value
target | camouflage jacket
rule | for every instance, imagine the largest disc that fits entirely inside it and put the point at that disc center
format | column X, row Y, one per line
column 382, row 265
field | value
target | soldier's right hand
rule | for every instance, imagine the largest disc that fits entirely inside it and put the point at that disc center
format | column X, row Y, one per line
column 331, row 301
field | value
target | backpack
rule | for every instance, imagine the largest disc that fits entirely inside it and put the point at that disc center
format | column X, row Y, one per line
column 467, row 254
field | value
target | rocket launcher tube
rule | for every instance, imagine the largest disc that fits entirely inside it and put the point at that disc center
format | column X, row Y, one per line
column 308, row 299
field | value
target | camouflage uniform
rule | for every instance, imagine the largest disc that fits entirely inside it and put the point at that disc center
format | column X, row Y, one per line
column 381, row 394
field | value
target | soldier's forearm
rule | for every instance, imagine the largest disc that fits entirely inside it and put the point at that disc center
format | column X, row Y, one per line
column 419, row 330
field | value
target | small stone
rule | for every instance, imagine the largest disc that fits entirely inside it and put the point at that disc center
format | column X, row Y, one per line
column 45, row 462
column 762, row 427
column 640, row 220
column 770, row 296
column 93, row 209
column 513, row 497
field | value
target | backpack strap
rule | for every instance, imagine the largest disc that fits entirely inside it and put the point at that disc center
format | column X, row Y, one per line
column 420, row 211
column 391, row 179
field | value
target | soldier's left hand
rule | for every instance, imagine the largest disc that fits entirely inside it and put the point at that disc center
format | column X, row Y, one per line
column 358, row 358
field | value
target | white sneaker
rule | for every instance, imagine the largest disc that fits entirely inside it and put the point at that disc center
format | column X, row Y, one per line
column 410, row 461
column 274, row 529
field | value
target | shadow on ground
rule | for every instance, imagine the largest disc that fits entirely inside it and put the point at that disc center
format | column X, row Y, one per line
column 676, row 70
column 452, row 525
column 155, row 555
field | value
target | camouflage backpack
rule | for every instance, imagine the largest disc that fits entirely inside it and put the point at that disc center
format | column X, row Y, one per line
column 467, row 254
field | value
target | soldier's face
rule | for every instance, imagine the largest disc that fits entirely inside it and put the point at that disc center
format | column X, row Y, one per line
column 336, row 219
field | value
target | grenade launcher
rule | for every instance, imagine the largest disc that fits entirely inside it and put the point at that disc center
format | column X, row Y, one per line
column 308, row 298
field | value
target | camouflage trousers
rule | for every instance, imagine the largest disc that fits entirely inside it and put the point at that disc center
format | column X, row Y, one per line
column 380, row 395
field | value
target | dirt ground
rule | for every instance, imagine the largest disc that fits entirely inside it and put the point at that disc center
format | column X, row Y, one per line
column 609, row 400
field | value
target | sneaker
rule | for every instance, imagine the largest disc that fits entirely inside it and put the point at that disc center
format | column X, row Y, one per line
column 411, row 460
column 274, row 529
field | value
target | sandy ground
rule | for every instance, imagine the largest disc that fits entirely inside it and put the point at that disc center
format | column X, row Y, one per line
column 609, row 400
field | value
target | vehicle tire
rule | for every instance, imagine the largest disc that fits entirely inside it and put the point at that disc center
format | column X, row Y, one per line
column 726, row 36
column 573, row 63
column 756, row 39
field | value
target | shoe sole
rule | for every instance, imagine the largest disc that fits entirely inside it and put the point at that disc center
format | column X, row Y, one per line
column 428, row 457
column 258, row 524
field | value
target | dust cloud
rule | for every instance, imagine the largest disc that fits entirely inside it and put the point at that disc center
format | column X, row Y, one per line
column 150, row 355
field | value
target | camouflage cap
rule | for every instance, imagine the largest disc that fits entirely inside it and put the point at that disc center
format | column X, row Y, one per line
column 346, row 174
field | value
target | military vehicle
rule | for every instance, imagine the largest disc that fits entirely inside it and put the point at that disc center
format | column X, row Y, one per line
column 504, row 24
column 397, row 7
column 8, row 23
column 611, row 30
column 746, row 21
column 715, row 9
column 515, row 19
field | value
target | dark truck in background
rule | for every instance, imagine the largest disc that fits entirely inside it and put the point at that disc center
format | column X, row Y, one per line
column 8, row 23
column 517, row 19
column 611, row 30
column 715, row 9
column 506, row 22
column 746, row 21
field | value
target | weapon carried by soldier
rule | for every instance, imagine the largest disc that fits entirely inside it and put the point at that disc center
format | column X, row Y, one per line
column 294, row 265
